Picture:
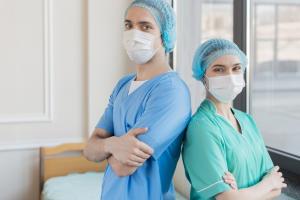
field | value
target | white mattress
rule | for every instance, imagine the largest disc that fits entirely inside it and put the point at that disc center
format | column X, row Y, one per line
column 86, row 186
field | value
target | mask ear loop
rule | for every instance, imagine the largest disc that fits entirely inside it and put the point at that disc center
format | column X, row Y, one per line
column 161, row 44
column 205, row 82
column 158, row 48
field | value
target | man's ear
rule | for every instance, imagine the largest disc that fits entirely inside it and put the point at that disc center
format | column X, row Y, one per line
column 161, row 40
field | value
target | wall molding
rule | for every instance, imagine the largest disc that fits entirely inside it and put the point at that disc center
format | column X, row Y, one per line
column 47, row 115
column 35, row 144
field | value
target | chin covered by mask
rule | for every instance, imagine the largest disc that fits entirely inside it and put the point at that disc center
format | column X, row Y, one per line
column 225, row 88
column 139, row 46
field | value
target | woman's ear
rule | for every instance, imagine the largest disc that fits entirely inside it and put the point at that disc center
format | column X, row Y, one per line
column 205, row 82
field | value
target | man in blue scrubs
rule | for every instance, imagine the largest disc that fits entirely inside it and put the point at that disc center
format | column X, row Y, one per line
column 141, row 130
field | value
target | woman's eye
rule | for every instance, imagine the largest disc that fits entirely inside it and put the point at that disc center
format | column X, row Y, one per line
column 237, row 68
column 218, row 70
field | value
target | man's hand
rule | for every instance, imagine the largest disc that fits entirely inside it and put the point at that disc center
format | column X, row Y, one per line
column 119, row 168
column 128, row 149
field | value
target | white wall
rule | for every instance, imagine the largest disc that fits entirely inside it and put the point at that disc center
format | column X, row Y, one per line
column 59, row 61
column 180, row 181
column 108, row 61
column 19, row 172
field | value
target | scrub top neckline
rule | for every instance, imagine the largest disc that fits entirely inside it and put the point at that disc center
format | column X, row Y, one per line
column 145, row 84
column 214, row 109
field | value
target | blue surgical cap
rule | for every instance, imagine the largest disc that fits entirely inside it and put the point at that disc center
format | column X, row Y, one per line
column 164, row 17
column 210, row 51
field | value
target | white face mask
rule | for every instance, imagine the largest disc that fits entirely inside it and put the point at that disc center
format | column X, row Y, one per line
column 139, row 45
column 226, row 88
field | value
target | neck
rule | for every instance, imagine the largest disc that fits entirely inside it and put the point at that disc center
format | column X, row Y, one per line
column 223, row 109
column 157, row 65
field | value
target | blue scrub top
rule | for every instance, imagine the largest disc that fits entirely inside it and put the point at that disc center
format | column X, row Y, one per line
column 163, row 105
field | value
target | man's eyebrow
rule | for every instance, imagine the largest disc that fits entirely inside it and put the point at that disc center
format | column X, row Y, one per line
column 145, row 23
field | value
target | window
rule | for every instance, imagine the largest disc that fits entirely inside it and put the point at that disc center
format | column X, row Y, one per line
column 270, row 29
column 275, row 73
column 197, row 21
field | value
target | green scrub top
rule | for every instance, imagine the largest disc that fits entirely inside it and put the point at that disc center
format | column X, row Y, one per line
column 213, row 146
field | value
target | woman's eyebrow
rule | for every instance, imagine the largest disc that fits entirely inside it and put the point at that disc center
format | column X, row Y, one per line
column 218, row 65
column 237, row 64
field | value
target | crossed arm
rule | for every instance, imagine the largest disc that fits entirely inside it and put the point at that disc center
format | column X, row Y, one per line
column 101, row 145
column 269, row 188
column 124, row 154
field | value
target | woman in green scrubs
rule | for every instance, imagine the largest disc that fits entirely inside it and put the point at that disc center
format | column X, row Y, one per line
column 221, row 139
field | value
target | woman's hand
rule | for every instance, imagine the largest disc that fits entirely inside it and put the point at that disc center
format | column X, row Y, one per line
column 274, row 180
column 128, row 149
column 230, row 180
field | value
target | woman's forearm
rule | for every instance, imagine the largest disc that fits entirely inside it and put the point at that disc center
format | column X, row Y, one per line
column 260, row 191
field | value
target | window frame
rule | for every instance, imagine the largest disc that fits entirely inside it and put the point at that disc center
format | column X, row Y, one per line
column 241, row 35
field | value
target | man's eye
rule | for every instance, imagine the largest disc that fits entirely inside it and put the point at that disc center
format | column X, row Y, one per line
column 146, row 27
column 127, row 26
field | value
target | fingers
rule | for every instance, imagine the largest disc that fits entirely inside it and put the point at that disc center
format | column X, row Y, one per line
column 228, row 175
column 145, row 148
column 233, row 186
column 137, row 131
column 137, row 159
column 275, row 169
column 230, row 180
column 231, row 183
column 141, row 154
column 133, row 163
column 283, row 185
column 142, row 146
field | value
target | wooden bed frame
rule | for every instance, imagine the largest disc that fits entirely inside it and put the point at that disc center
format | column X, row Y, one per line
column 65, row 159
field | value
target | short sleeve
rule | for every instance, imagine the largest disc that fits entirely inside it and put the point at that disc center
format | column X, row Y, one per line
column 166, row 115
column 106, row 120
column 204, row 159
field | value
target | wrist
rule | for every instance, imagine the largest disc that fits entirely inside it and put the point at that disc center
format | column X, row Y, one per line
column 108, row 145
column 266, row 185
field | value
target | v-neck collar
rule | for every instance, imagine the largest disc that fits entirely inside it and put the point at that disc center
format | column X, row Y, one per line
column 144, row 84
column 208, row 104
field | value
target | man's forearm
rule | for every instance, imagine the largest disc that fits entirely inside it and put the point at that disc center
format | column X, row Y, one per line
column 96, row 149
